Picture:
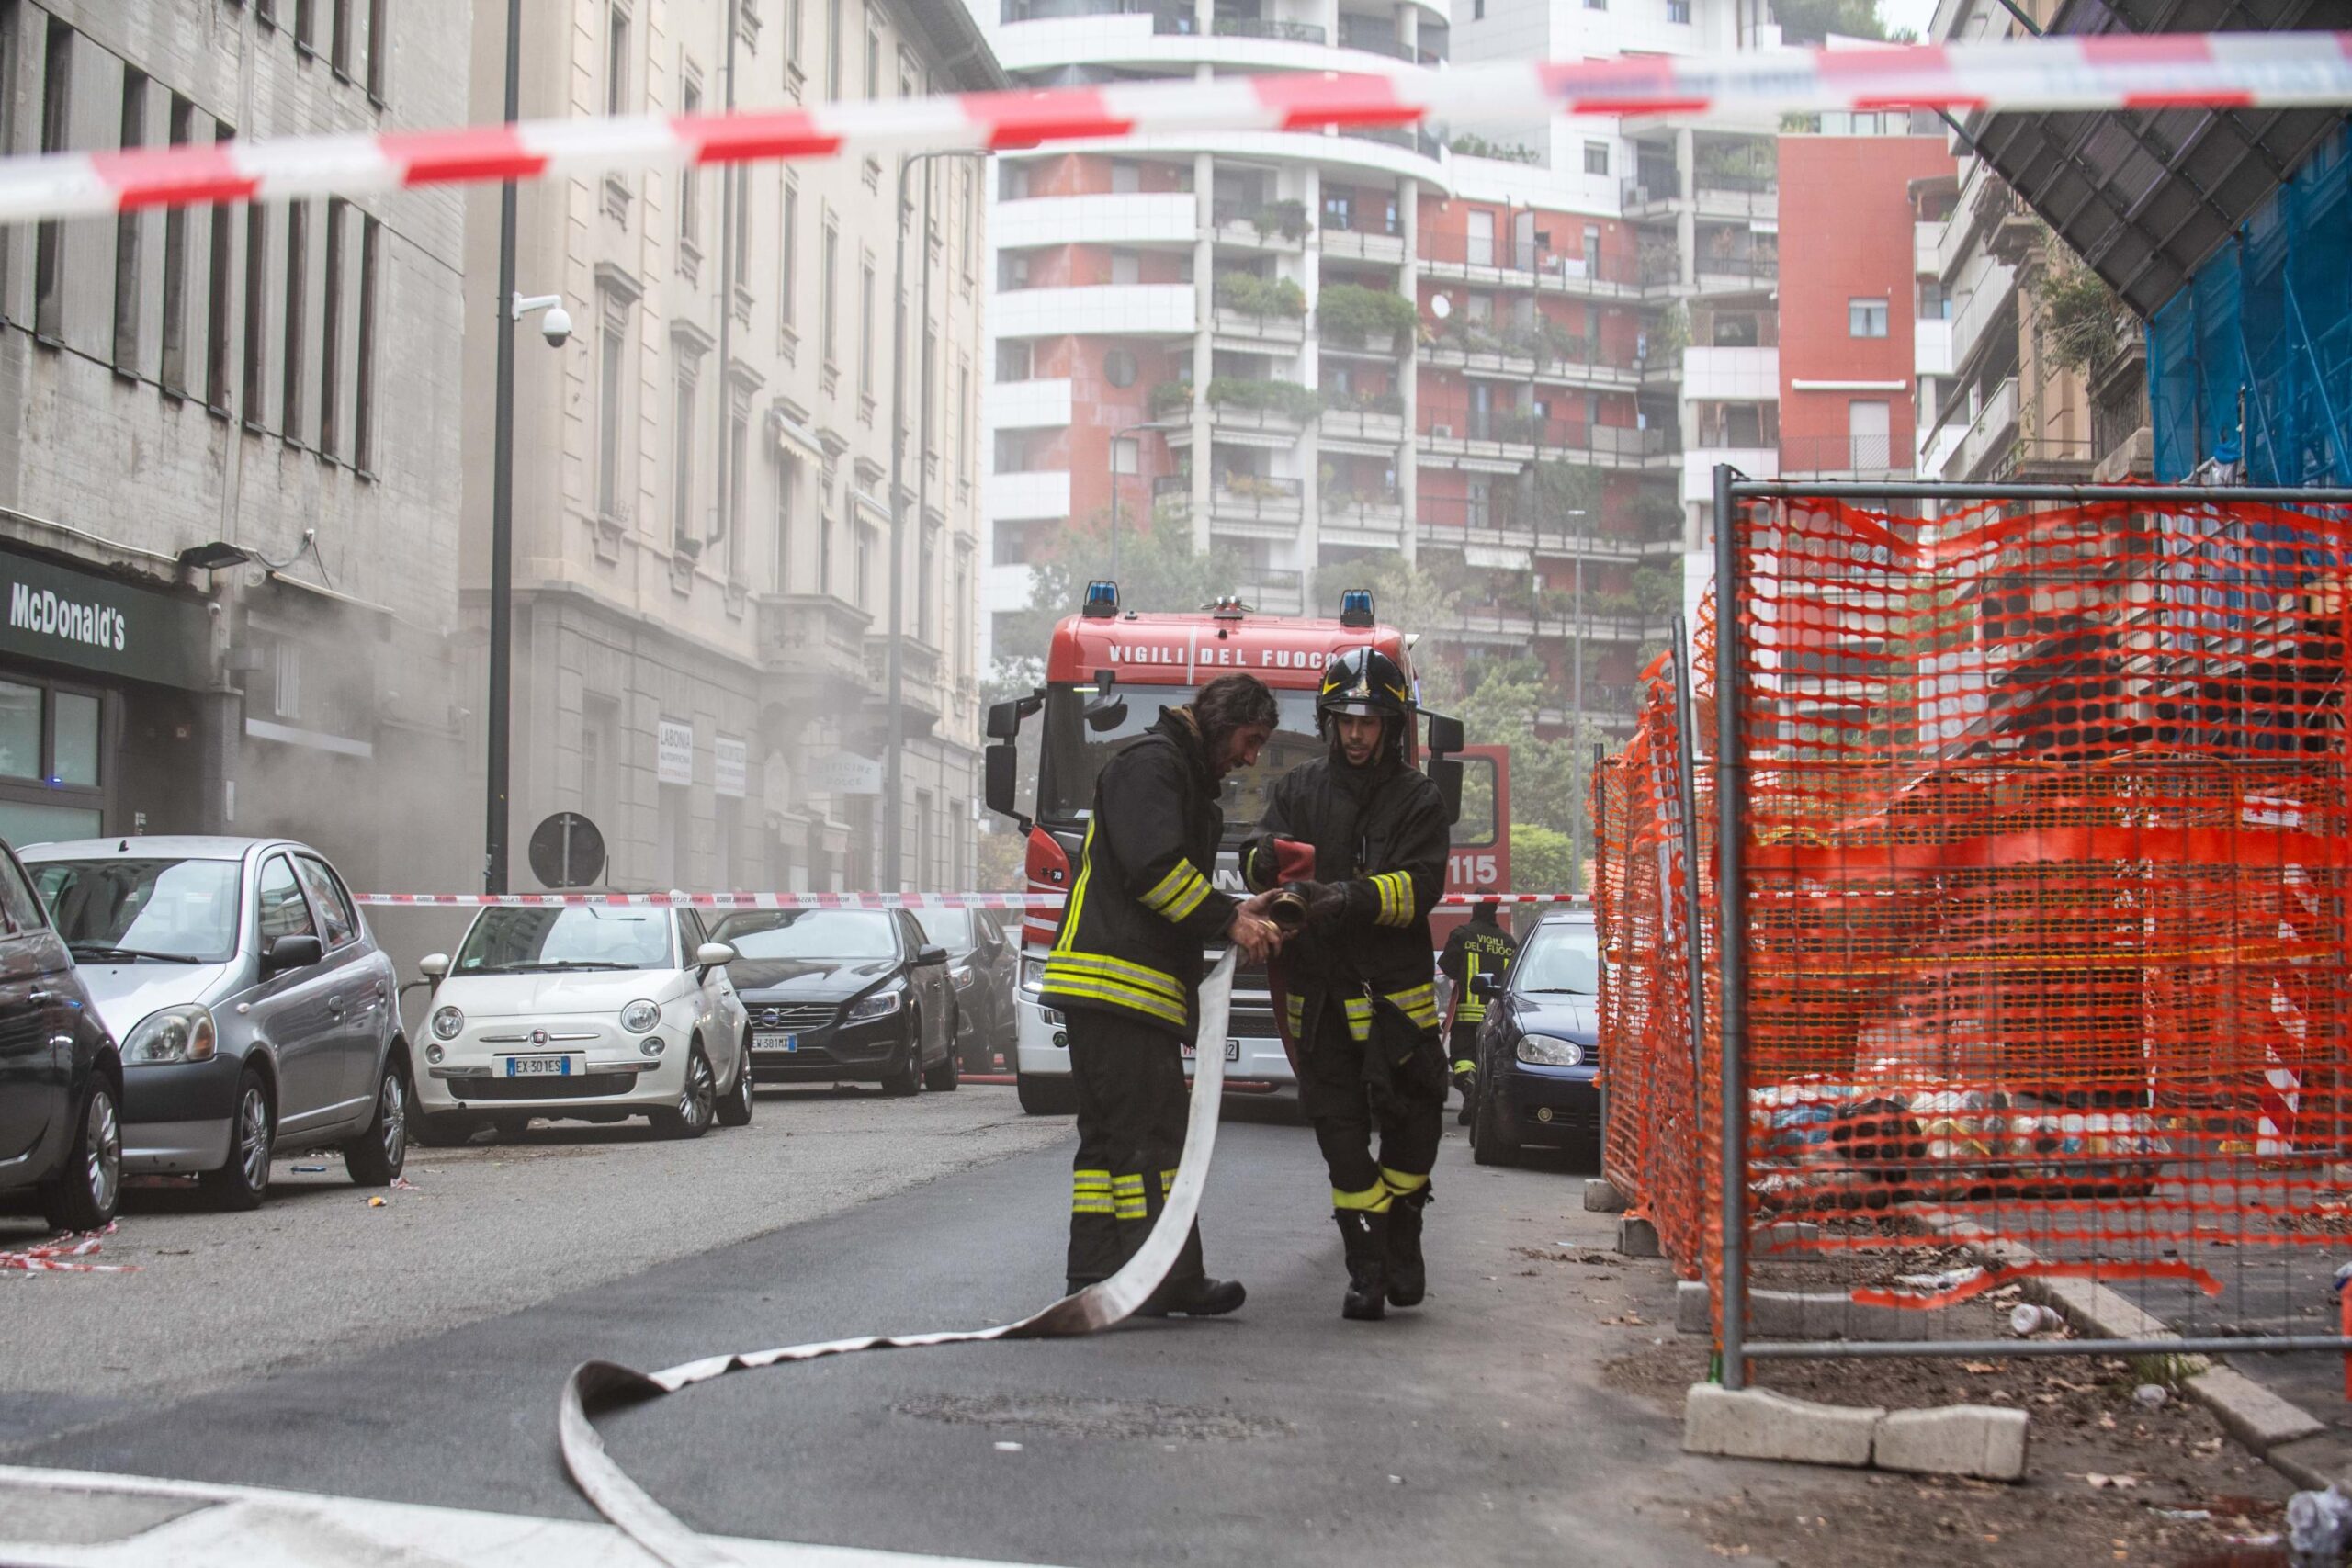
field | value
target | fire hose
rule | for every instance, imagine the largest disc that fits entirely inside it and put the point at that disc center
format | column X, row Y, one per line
column 598, row 1386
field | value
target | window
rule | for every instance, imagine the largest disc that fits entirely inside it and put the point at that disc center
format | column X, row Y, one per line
column 1119, row 367
column 834, row 49
column 125, row 232
column 1480, row 239
column 286, row 681
column 788, row 285
column 690, row 181
column 1866, row 318
column 926, row 575
column 616, row 62
column 257, row 304
column 929, row 387
column 1934, row 305
column 792, row 34
column 1013, row 359
column 873, row 61
column 1477, row 10
column 298, row 269
column 825, row 543
column 1595, row 4
column 56, row 89
column 787, row 481
column 305, row 25
column 612, row 361
column 339, row 47
column 1010, row 546
column 1868, row 427
column 1596, row 157
column 331, row 335
column 329, row 899
column 866, row 332
column 964, row 420
column 829, row 286
column 865, row 566
column 1679, row 11
column 738, row 456
column 1011, row 182
column 174, row 356
column 682, row 455
column 1126, row 176
column 50, row 739
column 216, row 307
column 1011, row 269
column 280, row 898
column 967, row 221
column 363, row 418
column 266, row 12
column 379, row 47
column 1126, row 267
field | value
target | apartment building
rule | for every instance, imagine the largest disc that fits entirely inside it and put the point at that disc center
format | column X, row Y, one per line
column 703, row 500
column 228, row 444
column 1313, row 347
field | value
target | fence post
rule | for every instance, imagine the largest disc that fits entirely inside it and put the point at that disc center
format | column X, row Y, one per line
column 1731, row 930
column 1686, row 786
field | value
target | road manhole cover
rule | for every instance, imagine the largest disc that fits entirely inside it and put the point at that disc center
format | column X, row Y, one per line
column 1068, row 1417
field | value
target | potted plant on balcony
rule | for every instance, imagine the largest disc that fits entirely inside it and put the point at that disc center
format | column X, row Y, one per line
column 1260, row 296
column 1169, row 398
column 1288, row 219
column 1375, row 320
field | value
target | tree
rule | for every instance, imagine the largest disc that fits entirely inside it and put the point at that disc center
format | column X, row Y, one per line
column 1810, row 21
column 1540, row 860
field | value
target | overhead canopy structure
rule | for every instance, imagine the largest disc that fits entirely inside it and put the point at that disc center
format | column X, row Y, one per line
column 2144, row 195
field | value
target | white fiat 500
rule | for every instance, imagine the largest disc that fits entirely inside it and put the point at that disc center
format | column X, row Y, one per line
column 590, row 1012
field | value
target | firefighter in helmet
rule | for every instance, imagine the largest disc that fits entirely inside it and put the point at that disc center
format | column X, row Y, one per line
column 1367, row 834
column 1126, row 970
column 1478, row 946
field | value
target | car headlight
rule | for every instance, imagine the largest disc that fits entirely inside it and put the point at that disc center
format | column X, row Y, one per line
column 448, row 1023
column 172, row 1034
column 882, row 1004
column 963, row 978
column 641, row 1017
column 1545, row 1051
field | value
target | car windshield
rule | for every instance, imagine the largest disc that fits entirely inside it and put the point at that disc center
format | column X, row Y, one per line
column 124, row 911
column 1075, row 750
column 1559, row 958
column 809, row 934
column 950, row 928
column 577, row 936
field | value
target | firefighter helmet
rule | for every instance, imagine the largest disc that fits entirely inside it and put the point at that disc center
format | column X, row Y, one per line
column 1364, row 680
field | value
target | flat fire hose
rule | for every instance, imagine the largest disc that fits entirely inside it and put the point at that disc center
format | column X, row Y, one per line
column 600, row 1385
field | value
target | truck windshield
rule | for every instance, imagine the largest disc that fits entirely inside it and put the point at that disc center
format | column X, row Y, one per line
column 1074, row 752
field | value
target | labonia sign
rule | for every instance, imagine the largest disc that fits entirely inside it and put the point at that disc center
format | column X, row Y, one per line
column 65, row 616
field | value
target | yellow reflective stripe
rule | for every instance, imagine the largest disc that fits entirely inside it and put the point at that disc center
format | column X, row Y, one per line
column 1420, row 1004
column 1077, row 893
column 1295, row 1009
column 1167, row 1183
column 1401, row 1183
column 1195, row 892
column 1373, row 1200
column 1168, row 884
column 1127, row 1193
column 1464, row 1065
column 1094, row 989
column 1179, row 893
column 1395, row 889
column 1359, row 1012
column 1117, row 969
column 1089, row 1178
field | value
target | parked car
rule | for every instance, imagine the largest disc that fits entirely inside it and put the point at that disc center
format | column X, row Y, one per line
column 1539, row 1052
column 984, row 968
column 254, row 1008
column 61, row 1074
column 585, row 1012
column 845, row 996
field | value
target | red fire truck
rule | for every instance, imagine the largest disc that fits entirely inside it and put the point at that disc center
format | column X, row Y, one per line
column 1108, row 673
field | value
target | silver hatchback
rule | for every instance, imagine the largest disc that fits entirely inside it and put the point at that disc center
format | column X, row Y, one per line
column 254, row 1007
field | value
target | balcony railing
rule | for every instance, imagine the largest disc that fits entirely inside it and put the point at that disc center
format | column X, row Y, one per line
column 1374, row 43
column 1376, row 509
column 1258, row 498
column 1510, row 428
column 1764, row 264
column 1285, row 32
column 1269, row 590
column 1535, row 263
column 1413, row 139
column 1864, row 457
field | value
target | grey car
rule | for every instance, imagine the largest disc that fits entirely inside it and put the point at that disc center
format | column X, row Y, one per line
column 254, row 1009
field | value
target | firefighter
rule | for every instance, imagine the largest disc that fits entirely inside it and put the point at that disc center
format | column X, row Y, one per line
column 1478, row 946
column 1126, row 970
column 1359, row 993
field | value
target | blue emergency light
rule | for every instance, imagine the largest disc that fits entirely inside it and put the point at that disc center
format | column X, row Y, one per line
column 1101, row 599
column 1355, row 607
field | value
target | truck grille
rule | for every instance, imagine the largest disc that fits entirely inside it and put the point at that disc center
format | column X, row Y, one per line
column 795, row 1015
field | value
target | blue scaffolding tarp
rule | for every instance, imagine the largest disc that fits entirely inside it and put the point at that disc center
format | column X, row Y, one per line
column 2261, row 340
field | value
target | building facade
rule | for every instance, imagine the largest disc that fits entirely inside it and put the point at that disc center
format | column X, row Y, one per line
column 703, row 503
column 229, row 485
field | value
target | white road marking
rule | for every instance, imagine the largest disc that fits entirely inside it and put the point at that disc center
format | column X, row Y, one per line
column 75, row 1518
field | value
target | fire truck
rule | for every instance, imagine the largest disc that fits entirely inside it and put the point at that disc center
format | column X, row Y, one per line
column 1108, row 673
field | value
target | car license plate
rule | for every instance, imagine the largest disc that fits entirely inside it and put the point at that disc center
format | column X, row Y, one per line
column 768, row 1039
column 1232, row 1051
column 538, row 1066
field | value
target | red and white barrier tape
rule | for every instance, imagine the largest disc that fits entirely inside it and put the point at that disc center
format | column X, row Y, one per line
column 63, row 1257
column 2110, row 72
column 917, row 901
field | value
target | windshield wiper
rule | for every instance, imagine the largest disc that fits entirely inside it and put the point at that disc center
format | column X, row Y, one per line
column 100, row 952
column 1556, row 991
column 569, row 963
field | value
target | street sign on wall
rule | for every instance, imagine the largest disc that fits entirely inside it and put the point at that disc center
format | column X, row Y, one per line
column 673, row 751
column 730, row 765
column 844, row 772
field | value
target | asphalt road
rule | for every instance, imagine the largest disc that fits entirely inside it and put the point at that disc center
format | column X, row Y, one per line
column 1476, row 1429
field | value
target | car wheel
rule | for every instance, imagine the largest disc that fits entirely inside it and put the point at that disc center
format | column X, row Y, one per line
column 83, row 1195
column 735, row 1110
column 375, row 1158
column 242, row 1180
column 949, row 1072
column 1490, row 1145
column 1045, row 1097
column 697, row 1104
column 907, row 1076
column 441, row 1129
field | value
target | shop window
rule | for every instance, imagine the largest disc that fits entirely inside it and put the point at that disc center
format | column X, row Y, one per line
column 74, row 751
column 51, row 776
column 20, row 715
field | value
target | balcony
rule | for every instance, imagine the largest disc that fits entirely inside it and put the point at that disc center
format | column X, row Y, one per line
column 1721, row 195
column 1279, row 31
column 1925, row 238
column 1370, row 521
column 1493, row 524
column 1492, row 435
column 1992, row 434
column 1270, row 590
column 1027, row 405
column 1520, row 355
column 1278, row 226
column 1368, row 243
column 1126, row 310
column 1010, row 498
column 1981, row 312
column 1844, row 457
column 816, row 638
column 1504, row 264
column 1731, row 375
column 1165, row 218
column 921, row 669
column 1931, row 347
column 1380, row 421
column 1735, row 274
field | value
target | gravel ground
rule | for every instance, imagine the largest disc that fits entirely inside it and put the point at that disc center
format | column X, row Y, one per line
column 318, row 1274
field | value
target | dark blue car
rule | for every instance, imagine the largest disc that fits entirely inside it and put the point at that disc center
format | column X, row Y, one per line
column 1539, row 1053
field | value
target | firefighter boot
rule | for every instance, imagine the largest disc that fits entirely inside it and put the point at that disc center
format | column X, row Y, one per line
column 1199, row 1296
column 1407, row 1279
column 1364, row 1234
column 1467, row 1082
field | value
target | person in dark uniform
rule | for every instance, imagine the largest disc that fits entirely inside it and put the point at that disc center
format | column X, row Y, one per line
column 1126, row 970
column 1478, row 946
column 1359, row 991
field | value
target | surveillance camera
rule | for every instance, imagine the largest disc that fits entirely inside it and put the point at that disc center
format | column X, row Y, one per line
column 556, row 326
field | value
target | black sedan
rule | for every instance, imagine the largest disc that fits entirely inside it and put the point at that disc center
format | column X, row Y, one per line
column 1539, row 1055
column 844, row 995
column 983, row 967
column 61, row 1074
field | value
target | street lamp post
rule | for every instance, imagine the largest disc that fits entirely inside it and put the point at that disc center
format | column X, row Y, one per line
column 895, row 744
column 502, row 497
column 1116, row 436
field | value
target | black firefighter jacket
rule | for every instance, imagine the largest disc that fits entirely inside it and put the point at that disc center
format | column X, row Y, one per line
column 1142, row 905
column 1380, row 836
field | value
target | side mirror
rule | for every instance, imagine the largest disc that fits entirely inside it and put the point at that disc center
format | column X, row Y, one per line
column 1445, row 735
column 1446, row 773
column 930, row 955
column 1486, row 985
column 433, row 966
column 714, row 955
column 291, row 952
column 1004, row 718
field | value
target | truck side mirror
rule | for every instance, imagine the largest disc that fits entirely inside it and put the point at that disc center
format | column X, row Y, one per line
column 1445, row 735
column 1002, row 781
column 1446, row 773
